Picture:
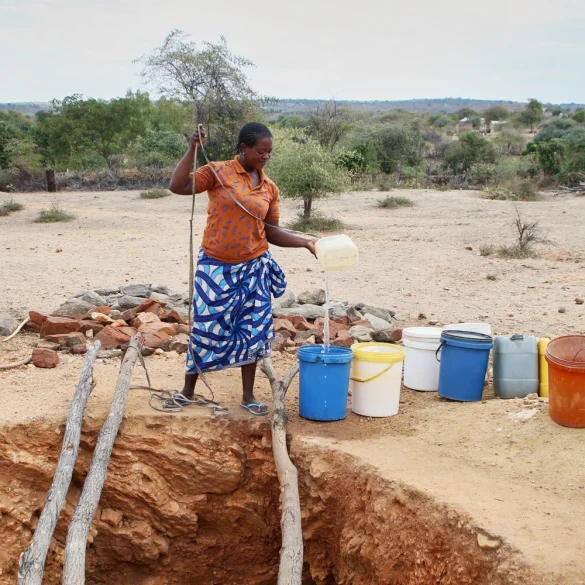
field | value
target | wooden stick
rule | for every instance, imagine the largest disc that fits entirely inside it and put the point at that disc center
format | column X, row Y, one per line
column 75, row 549
column 291, row 552
column 32, row 561
column 15, row 332
column 23, row 362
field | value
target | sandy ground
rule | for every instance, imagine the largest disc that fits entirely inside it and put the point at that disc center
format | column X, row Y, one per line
column 521, row 478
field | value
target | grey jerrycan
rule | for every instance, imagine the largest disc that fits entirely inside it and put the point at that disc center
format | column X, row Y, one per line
column 515, row 366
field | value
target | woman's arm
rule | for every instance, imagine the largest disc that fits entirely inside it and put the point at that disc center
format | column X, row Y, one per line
column 283, row 239
column 181, row 182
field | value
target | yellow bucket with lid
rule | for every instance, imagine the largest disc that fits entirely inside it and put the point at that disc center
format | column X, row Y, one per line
column 376, row 378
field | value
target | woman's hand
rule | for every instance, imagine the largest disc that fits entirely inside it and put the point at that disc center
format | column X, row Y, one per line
column 310, row 245
column 198, row 137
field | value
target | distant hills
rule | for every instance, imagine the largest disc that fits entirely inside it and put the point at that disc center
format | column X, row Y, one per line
column 299, row 106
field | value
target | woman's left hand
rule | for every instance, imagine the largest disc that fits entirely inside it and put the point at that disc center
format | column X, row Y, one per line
column 310, row 245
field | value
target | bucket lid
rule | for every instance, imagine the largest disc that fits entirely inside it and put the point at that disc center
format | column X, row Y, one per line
column 470, row 336
column 568, row 351
column 386, row 353
column 423, row 333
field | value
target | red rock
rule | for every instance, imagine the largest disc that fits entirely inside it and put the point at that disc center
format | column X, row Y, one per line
column 179, row 343
column 302, row 336
column 112, row 337
column 56, row 325
column 172, row 316
column 299, row 322
column 153, row 341
column 88, row 325
column 279, row 342
column 131, row 331
column 45, row 358
column 128, row 315
column 354, row 315
column 42, row 344
column 158, row 327
column 341, row 320
column 343, row 341
column 396, row 335
column 579, row 301
column 334, row 327
column 119, row 323
column 32, row 327
column 143, row 319
column 78, row 349
column 67, row 339
column 37, row 318
column 281, row 325
column 150, row 306
column 104, row 310
column 183, row 329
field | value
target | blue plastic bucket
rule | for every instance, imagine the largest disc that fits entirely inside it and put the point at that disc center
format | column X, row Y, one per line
column 324, row 382
column 464, row 357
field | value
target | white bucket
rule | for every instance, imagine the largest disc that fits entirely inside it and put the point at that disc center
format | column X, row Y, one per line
column 421, row 367
column 376, row 379
column 484, row 328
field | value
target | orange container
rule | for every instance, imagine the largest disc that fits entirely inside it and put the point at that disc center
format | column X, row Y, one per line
column 566, row 378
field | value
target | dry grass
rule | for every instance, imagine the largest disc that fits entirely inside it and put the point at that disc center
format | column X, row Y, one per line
column 11, row 205
column 395, row 202
column 54, row 215
column 155, row 194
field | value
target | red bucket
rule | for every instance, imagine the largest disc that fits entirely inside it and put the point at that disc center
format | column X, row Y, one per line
column 566, row 375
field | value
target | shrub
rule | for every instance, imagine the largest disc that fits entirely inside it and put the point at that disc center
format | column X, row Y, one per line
column 3, row 211
column 385, row 182
column 11, row 206
column 395, row 202
column 515, row 189
column 155, row 194
column 527, row 234
column 486, row 250
column 492, row 277
column 53, row 215
column 317, row 223
column 471, row 148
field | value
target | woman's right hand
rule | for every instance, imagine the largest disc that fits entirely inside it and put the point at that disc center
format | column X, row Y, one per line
column 198, row 137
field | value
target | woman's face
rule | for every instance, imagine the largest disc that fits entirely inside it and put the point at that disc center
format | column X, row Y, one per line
column 255, row 157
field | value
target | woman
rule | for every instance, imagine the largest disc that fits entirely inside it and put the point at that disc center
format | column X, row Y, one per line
column 235, row 275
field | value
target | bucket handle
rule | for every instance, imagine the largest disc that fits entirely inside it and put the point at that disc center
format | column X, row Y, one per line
column 364, row 380
column 583, row 349
column 517, row 337
column 438, row 350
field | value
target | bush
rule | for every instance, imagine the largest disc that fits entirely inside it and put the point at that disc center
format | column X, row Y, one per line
column 527, row 234
column 486, row 250
column 515, row 189
column 3, row 211
column 471, row 148
column 53, row 215
column 317, row 223
column 155, row 194
column 11, row 206
column 395, row 202
column 385, row 182
column 160, row 149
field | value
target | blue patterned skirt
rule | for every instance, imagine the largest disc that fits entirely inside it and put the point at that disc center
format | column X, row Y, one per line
column 232, row 312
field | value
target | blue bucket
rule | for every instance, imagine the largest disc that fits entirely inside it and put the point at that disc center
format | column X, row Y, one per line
column 324, row 382
column 464, row 360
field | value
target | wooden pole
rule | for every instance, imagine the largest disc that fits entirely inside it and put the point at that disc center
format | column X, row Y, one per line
column 291, row 552
column 32, row 561
column 74, row 569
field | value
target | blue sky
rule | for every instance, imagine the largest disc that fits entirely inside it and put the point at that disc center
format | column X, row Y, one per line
column 365, row 50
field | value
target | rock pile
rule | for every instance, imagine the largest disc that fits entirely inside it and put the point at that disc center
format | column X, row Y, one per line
column 115, row 314
column 300, row 321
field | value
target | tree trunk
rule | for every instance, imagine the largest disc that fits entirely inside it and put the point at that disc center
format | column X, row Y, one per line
column 291, row 552
column 307, row 206
column 51, row 181
column 74, row 568
column 32, row 561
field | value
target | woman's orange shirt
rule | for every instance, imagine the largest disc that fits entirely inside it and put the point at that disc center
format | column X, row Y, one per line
column 231, row 235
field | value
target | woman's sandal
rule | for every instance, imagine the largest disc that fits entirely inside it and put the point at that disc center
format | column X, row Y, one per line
column 262, row 408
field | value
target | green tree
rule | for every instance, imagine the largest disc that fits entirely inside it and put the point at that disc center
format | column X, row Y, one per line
column 13, row 126
column 160, row 148
column 106, row 128
column 24, row 158
column 579, row 116
column 471, row 148
column 211, row 79
column 495, row 112
column 532, row 114
column 329, row 124
column 305, row 170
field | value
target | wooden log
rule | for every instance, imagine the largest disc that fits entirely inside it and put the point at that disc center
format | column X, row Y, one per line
column 23, row 362
column 32, row 561
column 51, row 181
column 290, row 570
column 75, row 548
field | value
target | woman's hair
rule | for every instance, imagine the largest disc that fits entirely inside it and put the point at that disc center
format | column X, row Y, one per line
column 251, row 133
